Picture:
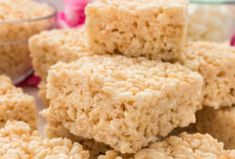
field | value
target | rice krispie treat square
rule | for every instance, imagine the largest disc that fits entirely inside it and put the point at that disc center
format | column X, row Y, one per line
column 216, row 63
column 49, row 47
column 184, row 146
column 123, row 102
column 219, row 123
column 152, row 28
column 15, row 105
column 17, row 140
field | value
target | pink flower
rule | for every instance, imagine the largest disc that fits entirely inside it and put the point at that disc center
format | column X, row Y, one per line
column 74, row 13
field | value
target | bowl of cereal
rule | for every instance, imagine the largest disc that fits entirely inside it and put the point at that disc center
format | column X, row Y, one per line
column 211, row 20
column 19, row 20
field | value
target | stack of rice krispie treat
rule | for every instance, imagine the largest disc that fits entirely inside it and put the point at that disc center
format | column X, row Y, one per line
column 47, row 48
column 15, row 105
column 129, row 101
column 167, row 20
column 216, row 63
column 18, row 140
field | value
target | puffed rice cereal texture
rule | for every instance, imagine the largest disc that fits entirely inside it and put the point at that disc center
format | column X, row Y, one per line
column 123, row 102
column 17, row 140
column 49, row 47
column 184, row 146
column 219, row 123
column 56, row 129
column 216, row 63
column 152, row 28
column 15, row 105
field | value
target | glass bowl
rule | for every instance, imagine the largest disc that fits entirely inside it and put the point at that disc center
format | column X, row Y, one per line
column 211, row 20
column 15, row 58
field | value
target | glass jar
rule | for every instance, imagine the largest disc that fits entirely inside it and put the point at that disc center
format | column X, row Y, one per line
column 211, row 20
column 15, row 58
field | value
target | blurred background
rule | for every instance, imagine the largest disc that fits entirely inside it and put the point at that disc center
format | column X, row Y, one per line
column 57, row 3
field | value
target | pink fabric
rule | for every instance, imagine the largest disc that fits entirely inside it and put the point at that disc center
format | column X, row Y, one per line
column 233, row 40
column 74, row 13
column 32, row 80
